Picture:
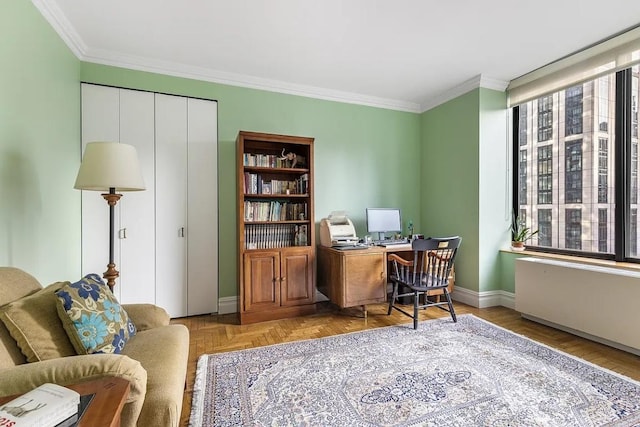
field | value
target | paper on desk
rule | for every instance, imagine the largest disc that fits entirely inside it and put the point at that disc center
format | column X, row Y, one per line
column 338, row 218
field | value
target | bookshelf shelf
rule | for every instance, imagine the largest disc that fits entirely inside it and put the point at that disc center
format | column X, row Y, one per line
column 276, row 227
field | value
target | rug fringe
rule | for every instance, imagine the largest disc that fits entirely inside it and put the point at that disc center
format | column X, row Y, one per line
column 197, row 397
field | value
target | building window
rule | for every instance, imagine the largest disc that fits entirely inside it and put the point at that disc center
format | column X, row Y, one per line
column 603, row 104
column 544, row 227
column 634, row 173
column 522, row 182
column 573, row 229
column 522, row 126
column 545, row 118
column 633, row 233
column 573, row 172
column 603, row 228
column 603, row 170
column 545, row 175
column 573, row 111
column 634, row 111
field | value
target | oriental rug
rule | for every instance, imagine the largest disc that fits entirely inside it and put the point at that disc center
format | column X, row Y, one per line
column 470, row 373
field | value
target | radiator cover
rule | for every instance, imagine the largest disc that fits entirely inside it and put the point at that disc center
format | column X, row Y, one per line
column 601, row 303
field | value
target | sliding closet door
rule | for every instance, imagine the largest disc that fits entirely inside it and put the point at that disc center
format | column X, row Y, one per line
column 126, row 116
column 171, row 203
column 100, row 122
column 136, row 234
column 202, row 207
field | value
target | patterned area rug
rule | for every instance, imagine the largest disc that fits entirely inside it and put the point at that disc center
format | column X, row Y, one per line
column 470, row 373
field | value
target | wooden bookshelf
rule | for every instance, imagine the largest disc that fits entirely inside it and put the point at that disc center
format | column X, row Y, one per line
column 276, row 227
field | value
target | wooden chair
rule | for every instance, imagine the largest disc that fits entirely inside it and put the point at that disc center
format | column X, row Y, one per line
column 429, row 270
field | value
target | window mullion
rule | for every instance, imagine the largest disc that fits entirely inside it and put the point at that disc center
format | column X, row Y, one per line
column 623, row 162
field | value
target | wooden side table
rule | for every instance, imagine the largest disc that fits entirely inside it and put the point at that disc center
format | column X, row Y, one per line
column 105, row 407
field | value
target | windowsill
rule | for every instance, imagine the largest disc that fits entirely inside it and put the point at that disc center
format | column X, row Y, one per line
column 581, row 260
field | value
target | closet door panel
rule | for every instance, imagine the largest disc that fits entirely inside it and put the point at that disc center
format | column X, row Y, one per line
column 100, row 122
column 136, row 234
column 171, row 202
column 202, row 207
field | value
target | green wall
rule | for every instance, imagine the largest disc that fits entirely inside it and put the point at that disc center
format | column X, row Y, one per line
column 39, row 147
column 464, row 176
column 450, row 179
column 494, row 198
column 444, row 168
column 352, row 145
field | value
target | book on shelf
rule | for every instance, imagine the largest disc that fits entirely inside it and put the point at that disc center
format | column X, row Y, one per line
column 48, row 405
column 274, row 161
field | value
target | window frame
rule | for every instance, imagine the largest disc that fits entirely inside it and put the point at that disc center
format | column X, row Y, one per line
column 620, row 148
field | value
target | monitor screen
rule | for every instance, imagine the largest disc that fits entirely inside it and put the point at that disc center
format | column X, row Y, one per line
column 381, row 220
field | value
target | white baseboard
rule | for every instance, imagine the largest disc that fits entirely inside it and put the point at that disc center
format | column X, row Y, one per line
column 484, row 299
column 228, row 305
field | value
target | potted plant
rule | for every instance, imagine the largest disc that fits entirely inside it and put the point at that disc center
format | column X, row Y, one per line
column 520, row 233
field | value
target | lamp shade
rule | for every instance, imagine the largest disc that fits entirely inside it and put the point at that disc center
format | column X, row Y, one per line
column 108, row 165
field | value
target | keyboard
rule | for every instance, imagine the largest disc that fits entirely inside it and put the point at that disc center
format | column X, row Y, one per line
column 391, row 242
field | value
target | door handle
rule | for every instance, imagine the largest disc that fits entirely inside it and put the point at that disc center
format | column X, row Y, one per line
column 122, row 233
column 181, row 232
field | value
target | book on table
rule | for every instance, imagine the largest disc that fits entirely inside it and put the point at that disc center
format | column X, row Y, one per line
column 47, row 405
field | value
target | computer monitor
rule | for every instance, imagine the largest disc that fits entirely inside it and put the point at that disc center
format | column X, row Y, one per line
column 383, row 220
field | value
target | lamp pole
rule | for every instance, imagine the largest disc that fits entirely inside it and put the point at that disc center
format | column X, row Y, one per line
column 111, row 274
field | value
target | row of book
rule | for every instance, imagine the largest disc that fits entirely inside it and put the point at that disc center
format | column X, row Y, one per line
column 273, row 161
column 254, row 184
column 267, row 236
column 274, row 211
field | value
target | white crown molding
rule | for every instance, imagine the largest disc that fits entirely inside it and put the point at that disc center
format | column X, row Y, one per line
column 65, row 30
column 52, row 13
column 461, row 89
column 54, row 16
column 234, row 79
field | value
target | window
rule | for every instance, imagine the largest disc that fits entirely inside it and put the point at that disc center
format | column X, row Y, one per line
column 573, row 111
column 585, row 107
column 603, row 229
column 573, row 229
column 603, row 170
column 545, row 176
column 573, row 172
column 545, row 118
column 544, row 227
column 523, row 175
column 573, row 176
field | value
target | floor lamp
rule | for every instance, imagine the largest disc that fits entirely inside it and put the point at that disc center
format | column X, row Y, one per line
column 112, row 167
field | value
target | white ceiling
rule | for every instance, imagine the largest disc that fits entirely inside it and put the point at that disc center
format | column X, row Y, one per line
column 401, row 54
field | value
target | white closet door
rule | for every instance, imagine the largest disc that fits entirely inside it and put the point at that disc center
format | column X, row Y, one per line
column 202, row 208
column 100, row 122
column 136, row 234
column 171, row 202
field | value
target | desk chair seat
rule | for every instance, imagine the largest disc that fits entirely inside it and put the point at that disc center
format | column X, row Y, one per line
column 428, row 271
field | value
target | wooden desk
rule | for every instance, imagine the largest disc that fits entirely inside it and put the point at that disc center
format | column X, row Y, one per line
column 105, row 407
column 358, row 277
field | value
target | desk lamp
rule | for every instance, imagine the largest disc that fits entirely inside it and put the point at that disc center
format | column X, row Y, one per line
column 110, row 166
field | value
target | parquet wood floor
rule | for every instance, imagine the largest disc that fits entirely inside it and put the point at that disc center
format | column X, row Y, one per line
column 215, row 334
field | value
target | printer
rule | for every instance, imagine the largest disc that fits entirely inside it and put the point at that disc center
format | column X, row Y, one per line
column 337, row 230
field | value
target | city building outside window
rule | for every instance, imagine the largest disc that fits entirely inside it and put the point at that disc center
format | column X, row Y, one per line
column 545, row 175
column 570, row 168
column 603, row 170
column 573, row 172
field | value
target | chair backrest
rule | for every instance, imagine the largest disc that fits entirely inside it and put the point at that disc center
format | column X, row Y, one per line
column 433, row 259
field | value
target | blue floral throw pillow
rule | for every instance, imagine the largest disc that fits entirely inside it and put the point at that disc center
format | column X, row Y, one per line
column 92, row 318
